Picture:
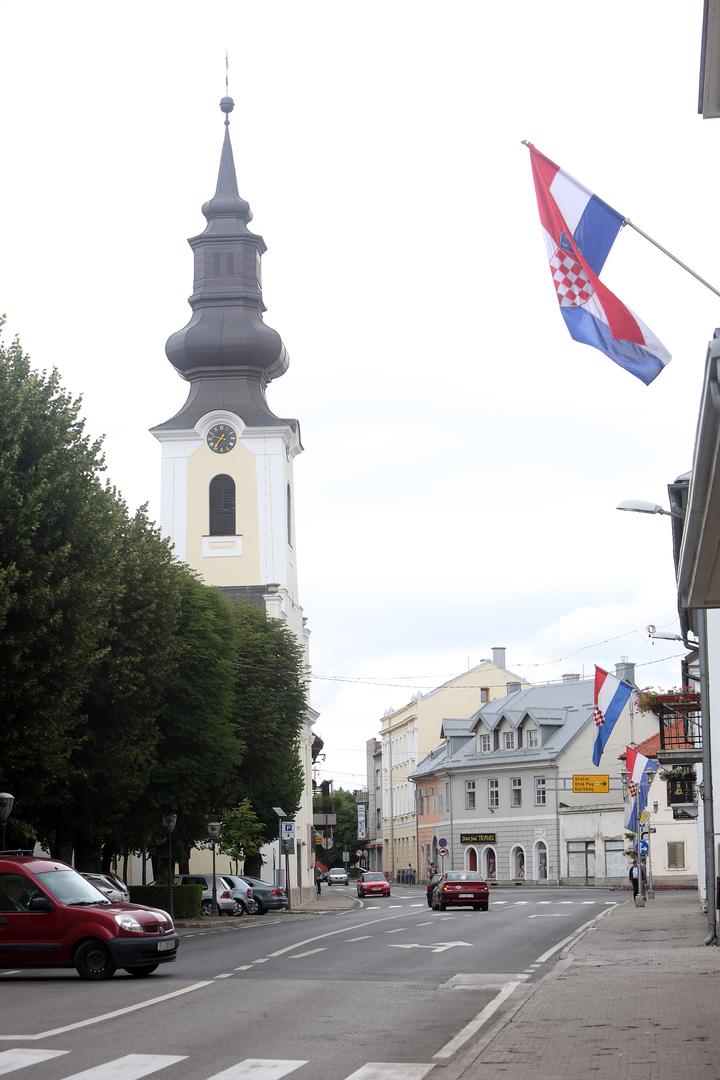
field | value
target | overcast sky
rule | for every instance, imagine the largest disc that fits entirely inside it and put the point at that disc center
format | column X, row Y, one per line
column 463, row 456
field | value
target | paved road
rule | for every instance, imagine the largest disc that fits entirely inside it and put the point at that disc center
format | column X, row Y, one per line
column 307, row 996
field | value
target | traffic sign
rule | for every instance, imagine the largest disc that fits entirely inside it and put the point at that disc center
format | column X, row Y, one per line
column 590, row 783
column 443, row 852
column 644, row 848
column 443, row 842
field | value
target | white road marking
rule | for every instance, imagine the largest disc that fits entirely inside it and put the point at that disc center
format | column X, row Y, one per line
column 373, row 907
column 259, row 1069
column 544, row 902
column 445, row 918
column 365, row 937
column 588, row 901
column 474, row 1025
column 428, row 923
column 416, row 905
column 15, row 971
column 244, row 967
column 130, row 1067
column 310, row 952
column 10, row 1060
column 437, row 946
column 613, row 902
column 391, row 906
column 263, row 961
column 109, row 1015
column 566, row 901
column 398, row 930
column 565, row 941
column 518, row 902
column 330, row 933
column 501, row 901
column 552, row 915
column 385, row 1070
column 228, row 975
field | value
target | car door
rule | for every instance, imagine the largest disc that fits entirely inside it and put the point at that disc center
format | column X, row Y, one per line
column 28, row 938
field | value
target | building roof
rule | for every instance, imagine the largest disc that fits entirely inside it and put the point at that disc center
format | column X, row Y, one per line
column 451, row 728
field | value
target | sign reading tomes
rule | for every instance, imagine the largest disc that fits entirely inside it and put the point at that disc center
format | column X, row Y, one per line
column 478, row 838
column 590, row 783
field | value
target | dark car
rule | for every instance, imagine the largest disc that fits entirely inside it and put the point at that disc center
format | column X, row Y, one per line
column 267, row 897
column 431, row 887
column 51, row 917
column 461, row 887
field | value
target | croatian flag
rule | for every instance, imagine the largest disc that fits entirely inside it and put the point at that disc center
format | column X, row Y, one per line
column 611, row 696
column 579, row 231
column 640, row 776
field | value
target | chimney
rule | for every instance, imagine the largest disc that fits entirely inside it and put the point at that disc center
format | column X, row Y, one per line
column 573, row 677
column 625, row 669
column 513, row 687
column 498, row 656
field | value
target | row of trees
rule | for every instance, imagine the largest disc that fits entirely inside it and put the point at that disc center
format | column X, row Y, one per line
column 128, row 688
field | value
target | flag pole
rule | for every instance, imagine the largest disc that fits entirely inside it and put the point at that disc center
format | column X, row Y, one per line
column 626, row 221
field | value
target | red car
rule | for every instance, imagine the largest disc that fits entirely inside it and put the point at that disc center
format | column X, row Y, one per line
column 461, row 887
column 373, row 885
column 51, row 917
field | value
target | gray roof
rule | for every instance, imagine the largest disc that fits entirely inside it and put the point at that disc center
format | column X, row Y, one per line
column 453, row 727
column 226, row 351
column 565, row 708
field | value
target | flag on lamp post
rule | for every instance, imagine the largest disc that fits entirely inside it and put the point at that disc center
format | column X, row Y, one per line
column 579, row 230
column 611, row 697
column 641, row 773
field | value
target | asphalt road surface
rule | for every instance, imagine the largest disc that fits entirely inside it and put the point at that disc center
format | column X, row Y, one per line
column 382, row 992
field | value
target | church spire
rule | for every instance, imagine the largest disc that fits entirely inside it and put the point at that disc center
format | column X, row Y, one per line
column 226, row 351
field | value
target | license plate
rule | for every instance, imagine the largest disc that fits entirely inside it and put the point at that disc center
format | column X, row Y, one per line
column 466, row 896
column 166, row 946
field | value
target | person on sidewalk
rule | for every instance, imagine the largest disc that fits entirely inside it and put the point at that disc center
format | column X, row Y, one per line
column 634, row 876
column 410, row 875
column 318, row 880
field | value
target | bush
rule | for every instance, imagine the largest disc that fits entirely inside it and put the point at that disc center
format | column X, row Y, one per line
column 186, row 898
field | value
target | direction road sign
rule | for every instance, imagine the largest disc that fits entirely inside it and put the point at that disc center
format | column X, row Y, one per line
column 644, row 847
column 589, row 783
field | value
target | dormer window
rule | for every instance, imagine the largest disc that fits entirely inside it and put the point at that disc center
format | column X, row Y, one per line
column 533, row 738
column 508, row 740
column 485, row 744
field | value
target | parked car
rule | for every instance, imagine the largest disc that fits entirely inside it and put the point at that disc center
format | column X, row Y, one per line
column 431, row 886
column 225, row 902
column 373, row 884
column 337, row 876
column 267, row 897
column 461, row 887
column 53, row 917
column 118, row 883
column 242, row 893
column 107, row 888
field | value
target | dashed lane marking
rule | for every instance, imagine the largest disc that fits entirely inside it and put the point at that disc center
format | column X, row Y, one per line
column 365, row 937
column 310, row 952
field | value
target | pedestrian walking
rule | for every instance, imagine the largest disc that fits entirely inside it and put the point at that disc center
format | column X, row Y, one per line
column 318, row 881
column 410, row 875
column 634, row 876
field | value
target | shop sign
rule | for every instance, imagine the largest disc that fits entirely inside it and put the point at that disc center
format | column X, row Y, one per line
column 478, row 838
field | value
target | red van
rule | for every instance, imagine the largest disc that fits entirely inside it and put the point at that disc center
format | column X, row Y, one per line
column 50, row 916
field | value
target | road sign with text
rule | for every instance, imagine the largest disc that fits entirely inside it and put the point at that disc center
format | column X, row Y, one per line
column 590, row 783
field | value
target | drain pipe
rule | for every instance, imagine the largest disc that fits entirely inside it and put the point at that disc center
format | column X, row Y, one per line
column 707, row 794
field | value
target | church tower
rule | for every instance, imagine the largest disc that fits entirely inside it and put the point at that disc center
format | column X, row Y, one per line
column 227, row 460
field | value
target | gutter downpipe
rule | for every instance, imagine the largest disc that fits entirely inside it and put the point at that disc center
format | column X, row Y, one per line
column 708, row 814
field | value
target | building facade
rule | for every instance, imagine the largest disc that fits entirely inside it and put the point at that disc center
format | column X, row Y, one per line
column 227, row 461
column 374, row 842
column 501, row 792
column 409, row 734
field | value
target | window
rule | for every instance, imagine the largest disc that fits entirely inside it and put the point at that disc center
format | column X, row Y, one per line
column 493, row 793
column 540, row 791
column 377, row 778
column 222, row 506
column 378, row 819
column 484, row 694
column 533, row 738
column 508, row 740
column 229, row 263
column 485, row 744
column 216, row 263
column 516, row 791
column 615, row 864
column 676, row 854
column 469, row 794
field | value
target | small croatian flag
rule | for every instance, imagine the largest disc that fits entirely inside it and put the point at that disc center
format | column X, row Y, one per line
column 611, row 697
column 579, row 230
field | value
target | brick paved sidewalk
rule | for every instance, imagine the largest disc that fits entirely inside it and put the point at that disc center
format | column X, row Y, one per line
column 637, row 998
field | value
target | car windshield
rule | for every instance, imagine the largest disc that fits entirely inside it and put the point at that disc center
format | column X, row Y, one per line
column 69, row 887
column 373, row 877
column 464, row 875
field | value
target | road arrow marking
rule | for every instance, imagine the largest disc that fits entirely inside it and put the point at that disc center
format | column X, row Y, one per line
column 436, row 947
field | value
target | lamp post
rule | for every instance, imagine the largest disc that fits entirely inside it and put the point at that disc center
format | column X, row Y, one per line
column 214, row 834
column 6, row 805
column 168, row 821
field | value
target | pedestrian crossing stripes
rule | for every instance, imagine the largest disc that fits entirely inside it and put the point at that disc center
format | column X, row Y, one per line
column 136, row 1066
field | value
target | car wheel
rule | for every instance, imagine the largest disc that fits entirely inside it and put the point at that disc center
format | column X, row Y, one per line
column 206, row 908
column 239, row 908
column 477, row 907
column 141, row 972
column 442, row 907
column 93, row 961
column 429, row 900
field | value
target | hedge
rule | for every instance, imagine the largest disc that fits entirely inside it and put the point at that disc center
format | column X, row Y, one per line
column 186, row 898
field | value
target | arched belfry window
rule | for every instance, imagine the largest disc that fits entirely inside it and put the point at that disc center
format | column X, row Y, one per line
column 222, row 506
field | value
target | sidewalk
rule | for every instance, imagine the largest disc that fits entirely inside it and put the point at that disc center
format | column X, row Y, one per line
column 637, row 997
column 329, row 901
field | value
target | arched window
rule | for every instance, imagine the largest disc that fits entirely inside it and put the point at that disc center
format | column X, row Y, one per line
column 222, row 506
column 489, row 864
column 517, row 863
column 540, row 859
column 289, row 515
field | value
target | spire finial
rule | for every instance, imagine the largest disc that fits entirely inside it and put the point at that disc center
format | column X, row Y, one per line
column 227, row 104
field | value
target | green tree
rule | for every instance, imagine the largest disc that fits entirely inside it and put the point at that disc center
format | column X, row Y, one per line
column 242, row 833
column 54, row 589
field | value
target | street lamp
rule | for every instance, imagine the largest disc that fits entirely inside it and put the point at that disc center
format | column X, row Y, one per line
column 6, row 805
column 169, row 821
column 641, row 506
column 214, row 834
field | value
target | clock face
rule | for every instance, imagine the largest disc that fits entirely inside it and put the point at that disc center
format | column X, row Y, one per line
column 221, row 438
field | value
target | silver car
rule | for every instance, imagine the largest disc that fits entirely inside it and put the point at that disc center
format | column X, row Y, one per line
column 107, row 887
column 225, row 902
column 337, row 876
column 242, row 894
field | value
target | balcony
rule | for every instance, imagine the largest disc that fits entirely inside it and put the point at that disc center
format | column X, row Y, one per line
column 680, row 727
